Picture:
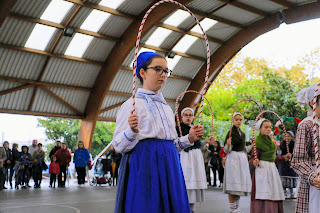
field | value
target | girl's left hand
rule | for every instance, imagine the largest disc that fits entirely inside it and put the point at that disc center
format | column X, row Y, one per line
column 288, row 156
column 195, row 133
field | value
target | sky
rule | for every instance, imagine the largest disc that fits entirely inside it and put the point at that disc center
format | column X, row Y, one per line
column 283, row 46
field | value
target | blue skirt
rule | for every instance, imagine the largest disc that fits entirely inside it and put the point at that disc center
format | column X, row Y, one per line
column 151, row 180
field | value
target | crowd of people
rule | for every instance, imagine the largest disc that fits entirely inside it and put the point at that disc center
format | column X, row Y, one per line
column 30, row 163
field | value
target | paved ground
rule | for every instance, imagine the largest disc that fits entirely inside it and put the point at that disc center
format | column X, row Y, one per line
column 99, row 199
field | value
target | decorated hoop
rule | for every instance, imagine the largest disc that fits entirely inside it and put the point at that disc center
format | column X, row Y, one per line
column 235, row 108
column 137, row 50
column 177, row 112
column 315, row 137
column 254, row 127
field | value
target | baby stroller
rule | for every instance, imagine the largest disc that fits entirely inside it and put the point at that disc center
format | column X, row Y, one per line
column 102, row 172
column 22, row 174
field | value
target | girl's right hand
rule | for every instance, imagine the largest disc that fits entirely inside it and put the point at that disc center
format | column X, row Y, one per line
column 229, row 141
column 133, row 122
column 316, row 183
column 255, row 162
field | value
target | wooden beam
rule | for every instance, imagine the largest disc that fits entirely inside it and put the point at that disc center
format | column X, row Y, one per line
column 184, row 32
column 45, row 114
column 33, row 97
column 5, row 8
column 111, row 107
column 40, row 52
column 217, row 18
column 178, row 53
column 61, row 100
column 61, row 27
column 4, row 92
column 285, row 3
column 171, row 76
column 129, row 95
column 246, row 7
column 32, row 82
column 106, row 119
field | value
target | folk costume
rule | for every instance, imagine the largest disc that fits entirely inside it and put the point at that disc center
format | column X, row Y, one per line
column 150, row 174
column 303, row 161
column 269, row 196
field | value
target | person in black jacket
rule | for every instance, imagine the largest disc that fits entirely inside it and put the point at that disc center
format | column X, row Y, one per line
column 54, row 149
column 26, row 163
column 15, row 157
column 115, row 158
column 215, row 161
column 7, row 162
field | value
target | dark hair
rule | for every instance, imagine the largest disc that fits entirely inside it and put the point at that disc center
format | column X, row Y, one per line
column 5, row 142
column 39, row 144
column 63, row 143
column 58, row 141
column 53, row 156
column 14, row 145
column 318, row 97
column 24, row 146
column 145, row 66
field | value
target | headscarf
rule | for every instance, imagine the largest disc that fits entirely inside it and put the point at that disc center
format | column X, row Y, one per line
column 185, row 109
column 306, row 95
column 259, row 123
column 235, row 114
column 291, row 133
column 142, row 59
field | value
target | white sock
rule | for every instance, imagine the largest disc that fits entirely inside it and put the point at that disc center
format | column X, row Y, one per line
column 233, row 206
column 237, row 202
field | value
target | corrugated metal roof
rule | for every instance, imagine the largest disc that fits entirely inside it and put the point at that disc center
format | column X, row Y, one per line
column 236, row 14
column 69, row 14
column 187, row 67
column 44, row 102
column 172, row 106
column 15, row 32
column 264, row 5
column 62, row 44
column 198, row 48
column 98, row 50
column 115, row 26
column 81, row 15
column 222, row 31
column 134, row 7
column 111, row 113
column 17, row 100
column 111, row 100
column 5, row 85
column 33, row 8
column 94, row 1
column 173, row 88
column 170, row 40
column 189, row 22
column 204, row 5
column 76, row 98
column 302, row 1
column 20, row 64
column 122, row 82
column 70, row 72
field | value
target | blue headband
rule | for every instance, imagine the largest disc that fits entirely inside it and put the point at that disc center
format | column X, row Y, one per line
column 142, row 59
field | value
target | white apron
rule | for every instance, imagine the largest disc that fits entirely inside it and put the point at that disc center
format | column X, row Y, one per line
column 268, row 183
column 314, row 200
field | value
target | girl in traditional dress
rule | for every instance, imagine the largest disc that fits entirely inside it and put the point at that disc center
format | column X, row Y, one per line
column 237, row 180
column 268, row 196
column 150, row 176
column 192, row 162
column 303, row 161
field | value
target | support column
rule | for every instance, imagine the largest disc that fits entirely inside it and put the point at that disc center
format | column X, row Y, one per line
column 86, row 132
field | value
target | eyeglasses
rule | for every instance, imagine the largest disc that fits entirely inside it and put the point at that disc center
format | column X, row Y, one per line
column 188, row 115
column 159, row 70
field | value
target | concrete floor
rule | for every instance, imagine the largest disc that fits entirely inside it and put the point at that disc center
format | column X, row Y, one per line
column 97, row 199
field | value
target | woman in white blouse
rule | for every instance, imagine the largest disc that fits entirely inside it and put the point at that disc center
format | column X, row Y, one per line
column 150, row 176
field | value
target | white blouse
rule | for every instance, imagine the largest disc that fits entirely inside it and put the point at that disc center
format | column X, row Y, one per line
column 155, row 118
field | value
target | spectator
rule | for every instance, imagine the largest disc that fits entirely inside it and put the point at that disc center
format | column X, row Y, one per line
column 115, row 163
column 215, row 160
column 33, row 147
column 288, row 176
column 25, row 164
column 3, row 157
column 54, row 149
column 38, row 165
column 63, row 159
column 80, row 159
column 14, row 164
column 7, row 162
column 54, row 170
column 206, row 158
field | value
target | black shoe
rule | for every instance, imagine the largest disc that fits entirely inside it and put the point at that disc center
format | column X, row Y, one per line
column 23, row 187
column 4, row 187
